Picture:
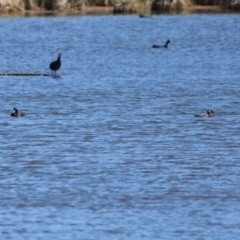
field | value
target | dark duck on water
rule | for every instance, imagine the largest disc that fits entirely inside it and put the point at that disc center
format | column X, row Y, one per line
column 208, row 114
column 16, row 113
column 162, row 46
column 55, row 65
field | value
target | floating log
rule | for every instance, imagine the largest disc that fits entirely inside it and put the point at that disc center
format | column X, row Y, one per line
column 24, row 74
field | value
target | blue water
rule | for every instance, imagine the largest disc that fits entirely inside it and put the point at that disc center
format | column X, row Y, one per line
column 110, row 148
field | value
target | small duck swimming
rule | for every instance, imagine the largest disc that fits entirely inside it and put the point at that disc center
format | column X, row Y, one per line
column 160, row 46
column 145, row 16
column 208, row 114
column 16, row 113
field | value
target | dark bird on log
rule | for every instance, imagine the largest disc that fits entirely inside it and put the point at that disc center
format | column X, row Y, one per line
column 55, row 65
column 160, row 46
column 16, row 113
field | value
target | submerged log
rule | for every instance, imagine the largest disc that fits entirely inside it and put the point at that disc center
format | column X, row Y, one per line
column 24, row 74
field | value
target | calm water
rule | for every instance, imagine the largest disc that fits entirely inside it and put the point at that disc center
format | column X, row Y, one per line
column 111, row 149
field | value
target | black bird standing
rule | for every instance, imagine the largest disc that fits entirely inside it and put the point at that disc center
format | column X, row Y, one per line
column 55, row 65
column 164, row 46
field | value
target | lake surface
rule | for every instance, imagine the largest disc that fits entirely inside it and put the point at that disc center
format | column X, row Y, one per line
column 110, row 148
